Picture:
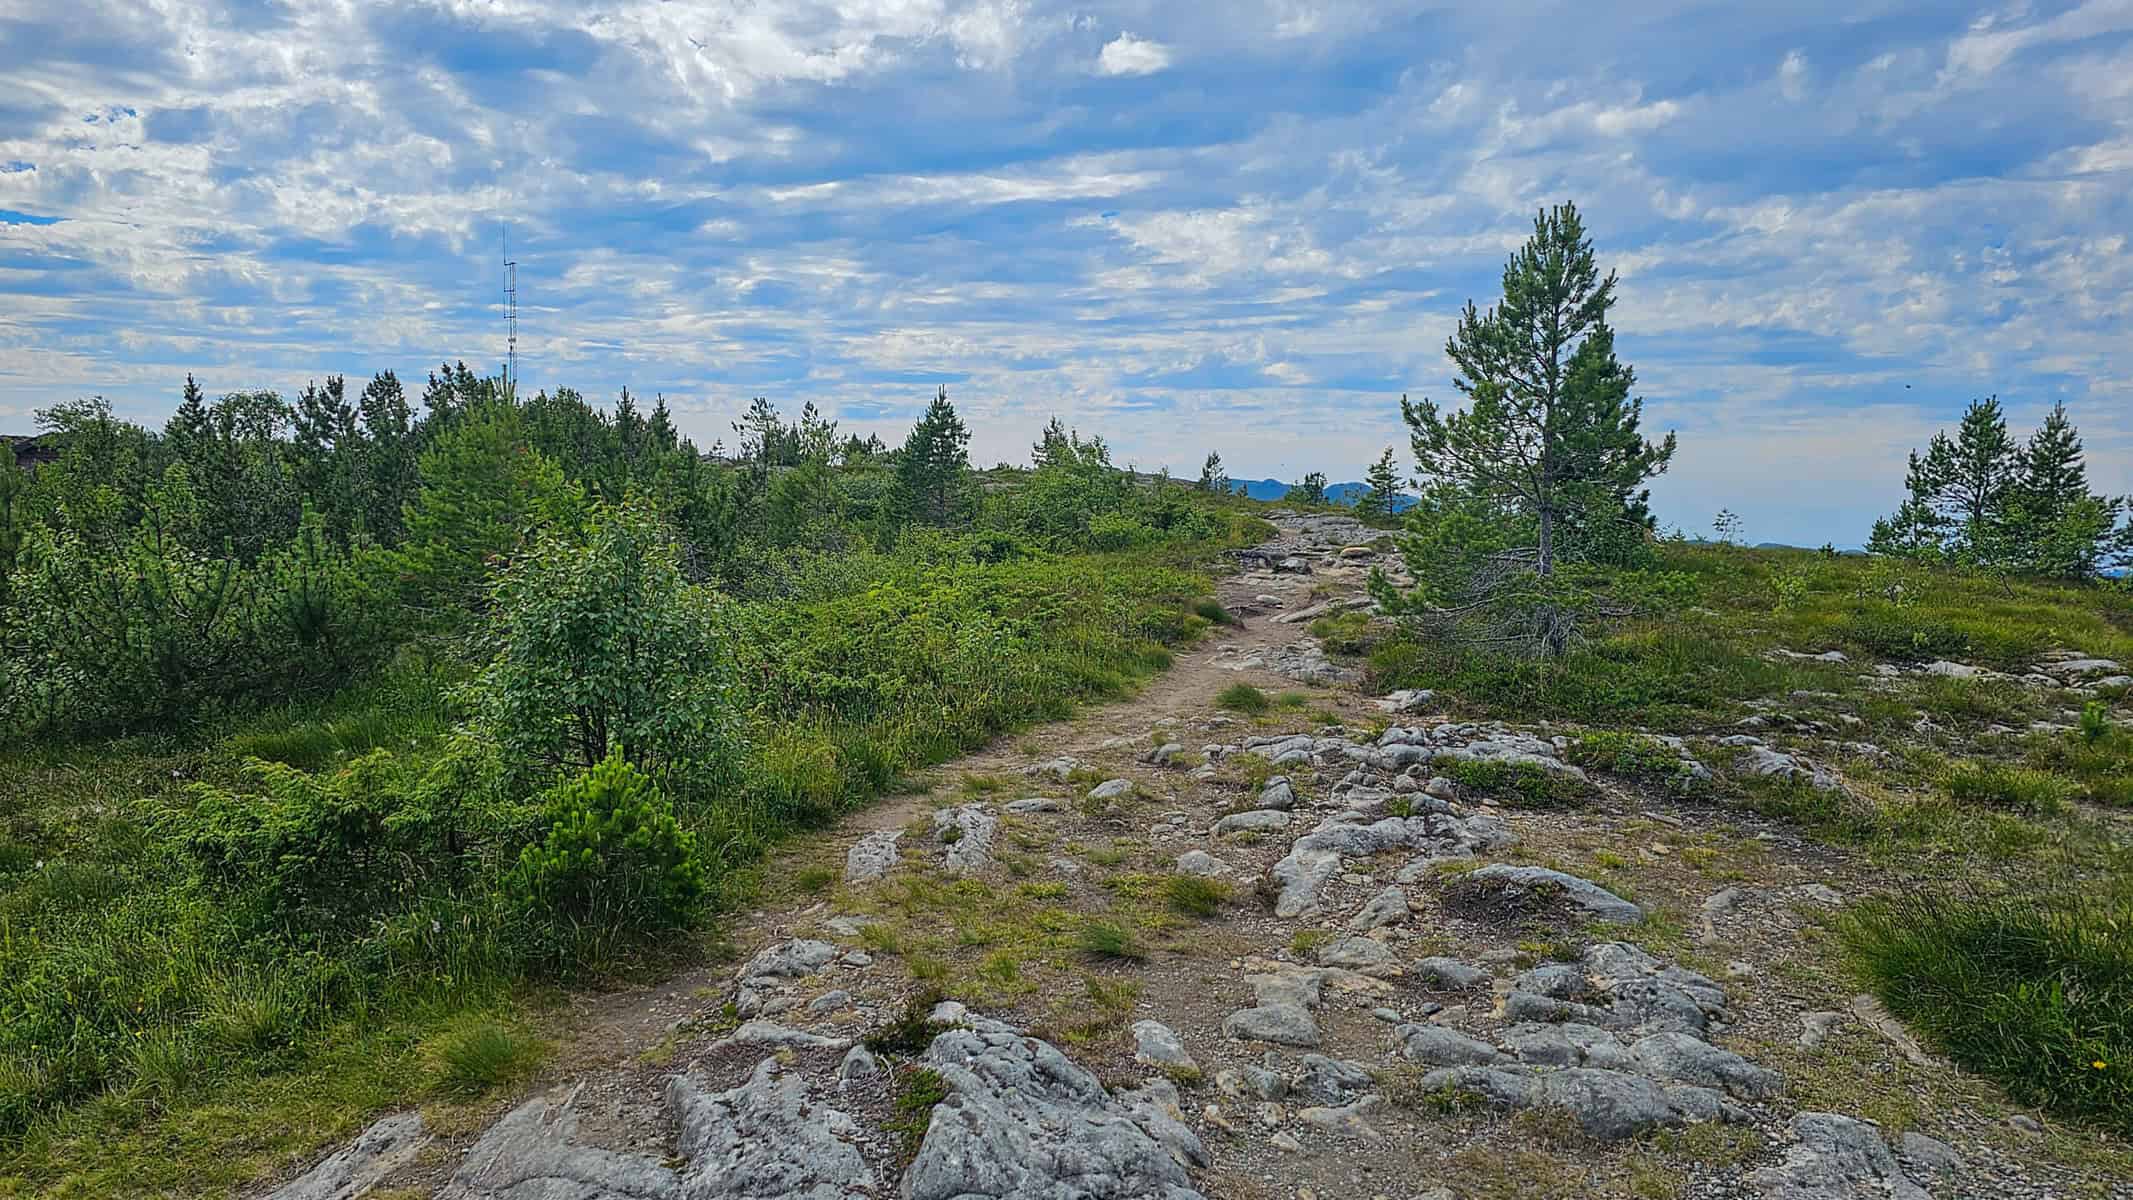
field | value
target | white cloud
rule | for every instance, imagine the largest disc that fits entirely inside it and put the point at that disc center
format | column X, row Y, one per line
column 1129, row 55
column 1792, row 76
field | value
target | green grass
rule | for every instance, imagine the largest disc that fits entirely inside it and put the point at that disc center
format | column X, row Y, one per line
column 1195, row 895
column 1242, row 697
column 1211, row 611
column 2023, row 789
column 1520, row 785
column 2035, row 992
column 1111, row 941
column 483, row 1055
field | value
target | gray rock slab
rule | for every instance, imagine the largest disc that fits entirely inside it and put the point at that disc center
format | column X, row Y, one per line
column 765, row 1140
column 1281, row 1024
column 1586, row 894
column 1023, row 1120
column 354, row 1169
column 1836, row 1158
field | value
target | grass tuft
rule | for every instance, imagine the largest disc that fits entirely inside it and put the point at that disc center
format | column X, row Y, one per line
column 1108, row 940
column 1242, row 697
column 2034, row 991
column 1195, row 895
column 482, row 1056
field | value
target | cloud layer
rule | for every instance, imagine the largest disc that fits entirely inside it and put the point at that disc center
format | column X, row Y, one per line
column 1835, row 223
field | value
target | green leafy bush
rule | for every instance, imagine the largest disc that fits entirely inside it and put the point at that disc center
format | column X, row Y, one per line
column 320, row 851
column 602, row 648
column 613, row 854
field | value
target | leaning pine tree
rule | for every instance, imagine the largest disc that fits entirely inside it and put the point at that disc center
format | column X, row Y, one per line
column 1545, row 467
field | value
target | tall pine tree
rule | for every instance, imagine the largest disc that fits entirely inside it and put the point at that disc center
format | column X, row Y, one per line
column 1383, row 479
column 929, row 473
column 1548, row 461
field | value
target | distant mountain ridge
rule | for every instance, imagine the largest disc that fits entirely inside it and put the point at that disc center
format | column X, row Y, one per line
column 1337, row 493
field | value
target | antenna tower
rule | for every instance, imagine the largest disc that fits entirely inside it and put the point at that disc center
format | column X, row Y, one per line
column 510, row 315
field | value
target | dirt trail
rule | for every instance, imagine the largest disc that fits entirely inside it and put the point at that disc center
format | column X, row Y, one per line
column 1347, row 1007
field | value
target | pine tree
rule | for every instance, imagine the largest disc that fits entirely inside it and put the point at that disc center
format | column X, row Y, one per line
column 1383, row 479
column 1552, row 429
column 386, row 473
column 929, row 473
column 1213, row 479
column 1311, row 491
column 1971, row 479
column 1548, row 459
column 2054, row 525
column 187, row 431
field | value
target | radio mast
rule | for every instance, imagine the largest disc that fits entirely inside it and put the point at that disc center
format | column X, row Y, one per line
column 510, row 316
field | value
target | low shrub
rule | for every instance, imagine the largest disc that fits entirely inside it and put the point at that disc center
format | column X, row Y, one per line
column 1901, row 632
column 1632, row 755
column 1242, row 697
column 613, row 855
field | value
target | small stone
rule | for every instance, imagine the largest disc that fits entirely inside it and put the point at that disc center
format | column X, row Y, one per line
column 1822, row 893
column 858, row 958
column 1111, row 789
column 1286, row 1143
column 1200, row 862
column 2026, row 1123
column 830, row 1001
column 1815, row 1027
column 1255, row 821
column 1158, row 1045
column 1390, row 1016
column 1928, row 1158
column 1449, row 974
column 858, row 1063
column 1388, row 907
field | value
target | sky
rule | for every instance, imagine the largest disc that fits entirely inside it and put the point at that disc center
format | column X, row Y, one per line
column 1245, row 228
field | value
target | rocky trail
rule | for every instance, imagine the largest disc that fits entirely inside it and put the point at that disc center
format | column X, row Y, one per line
column 1388, row 985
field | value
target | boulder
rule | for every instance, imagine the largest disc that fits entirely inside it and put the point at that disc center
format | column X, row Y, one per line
column 1437, row 1046
column 766, row 1139
column 1255, row 821
column 1280, row 1023
column 968, row 833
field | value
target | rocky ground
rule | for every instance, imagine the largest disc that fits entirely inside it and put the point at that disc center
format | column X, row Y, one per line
column 1167, row 950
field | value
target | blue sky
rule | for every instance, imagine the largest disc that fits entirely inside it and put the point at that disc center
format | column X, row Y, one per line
column 1244, row 228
